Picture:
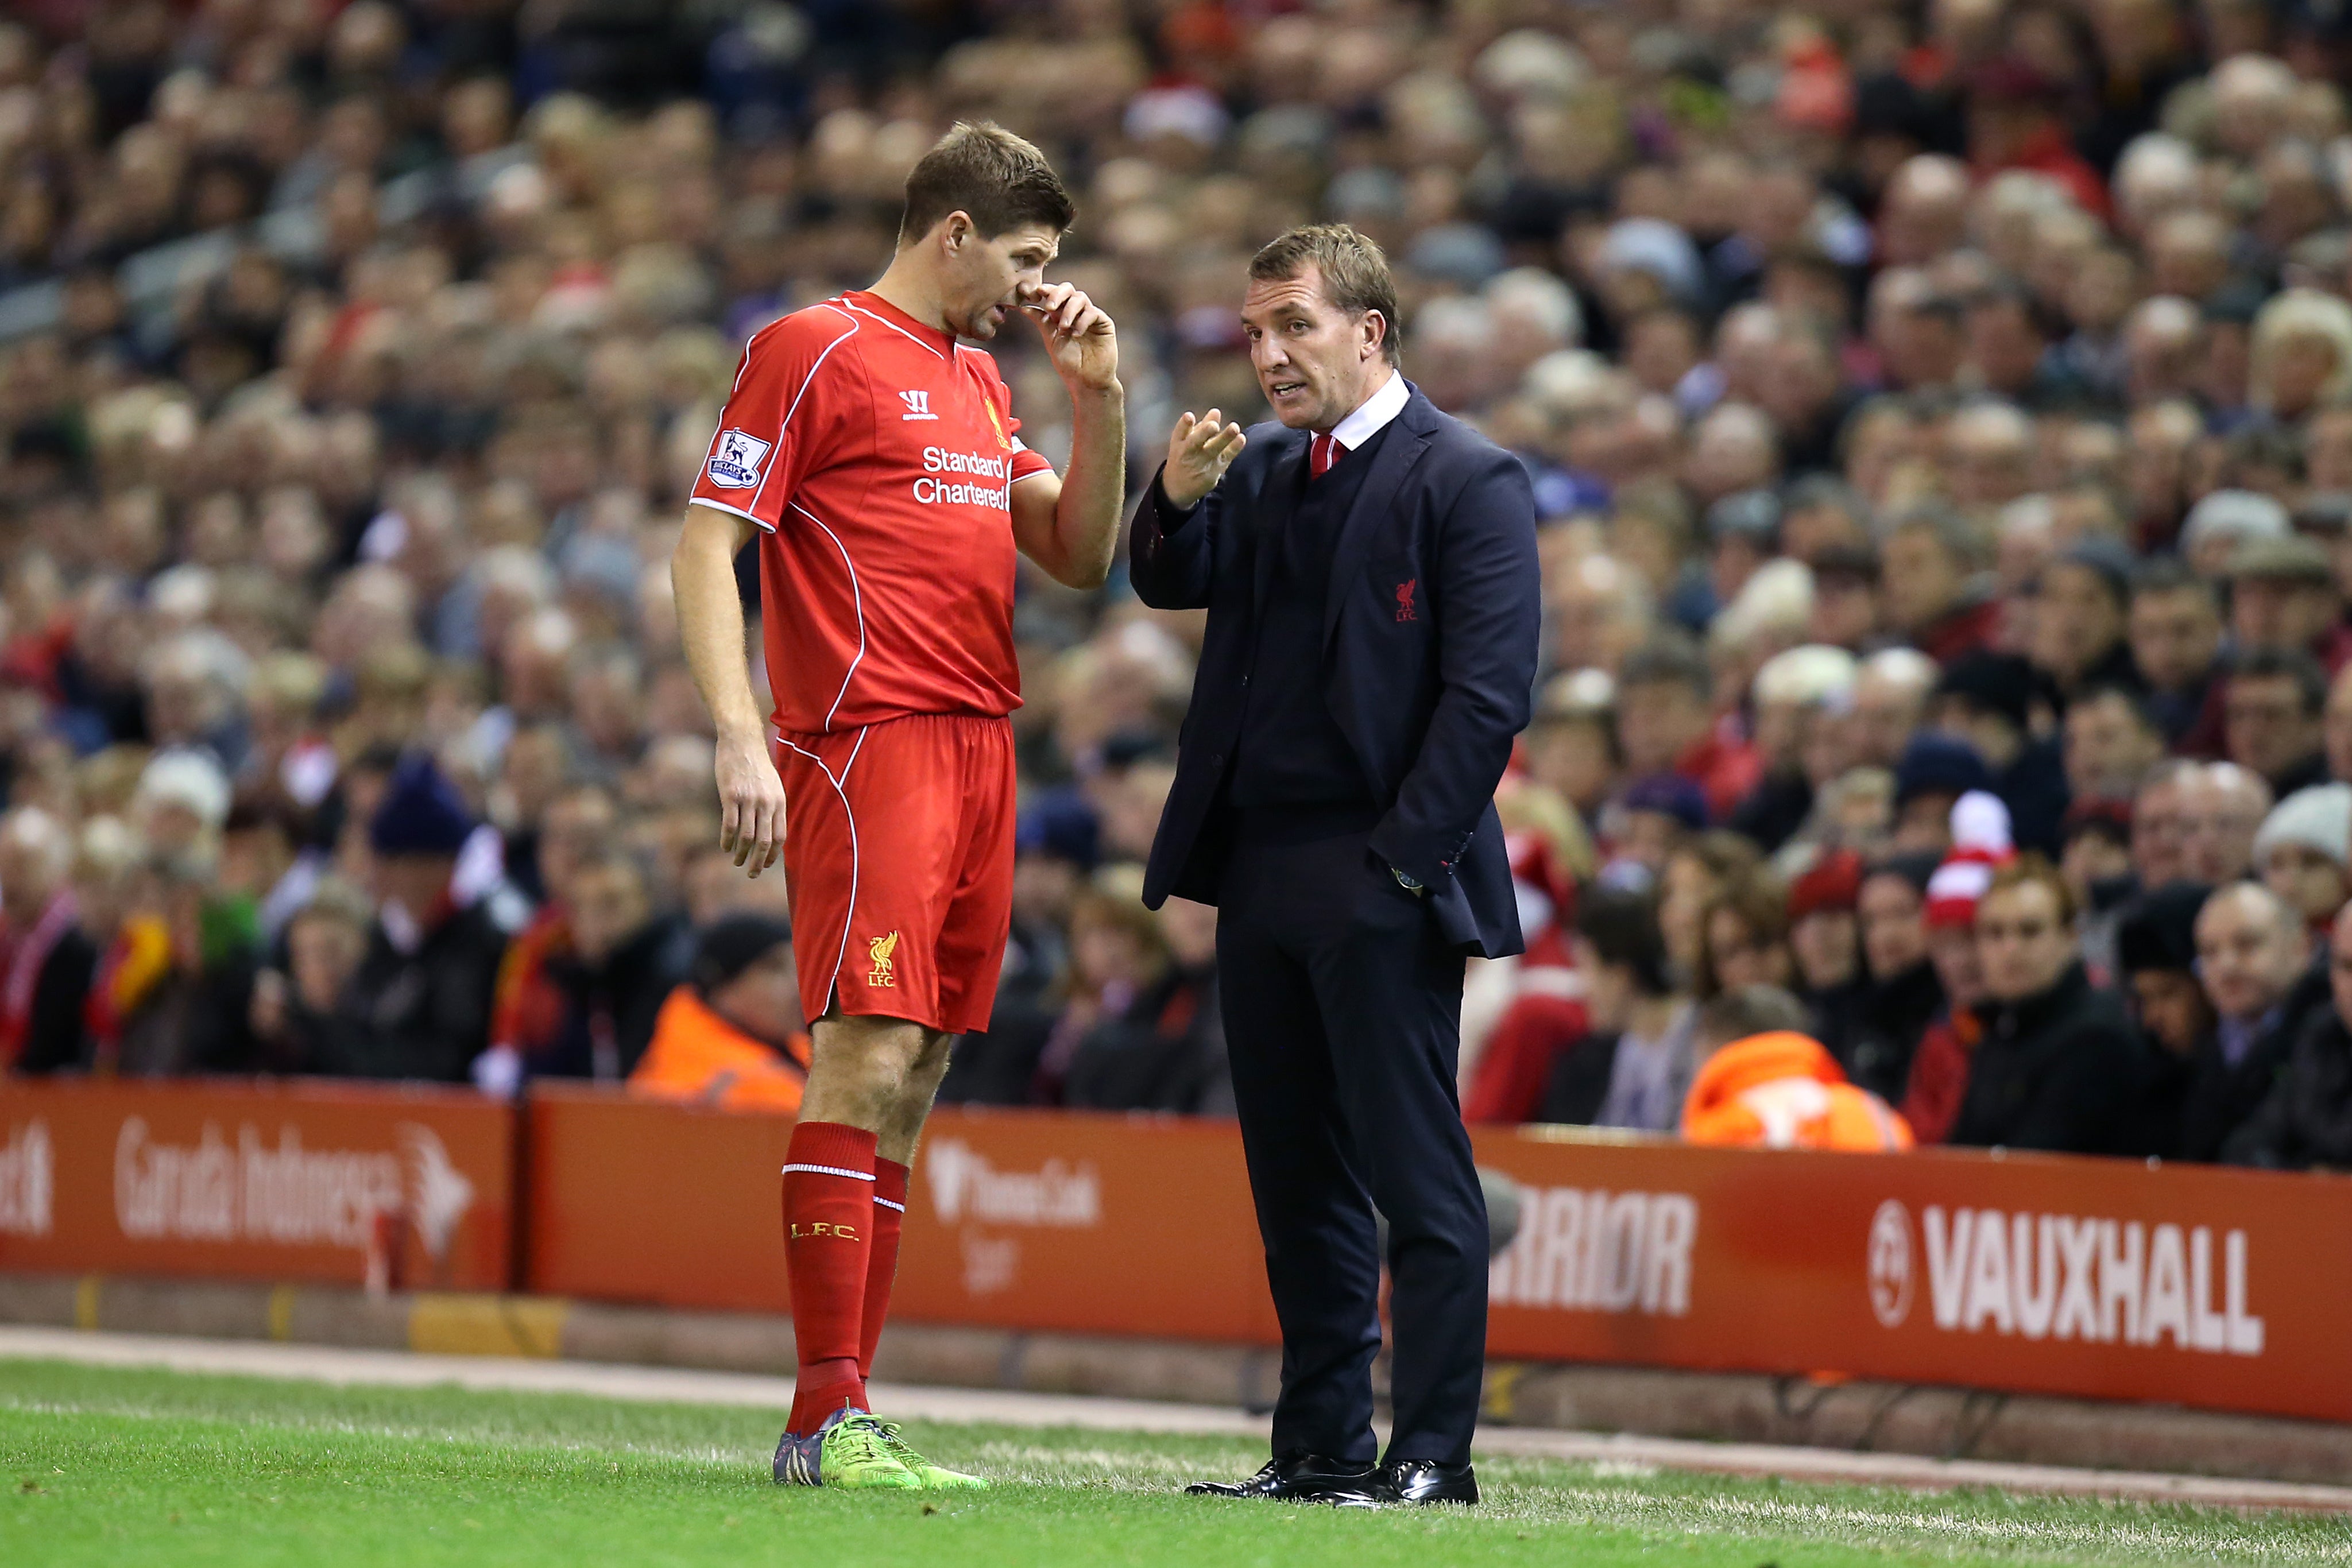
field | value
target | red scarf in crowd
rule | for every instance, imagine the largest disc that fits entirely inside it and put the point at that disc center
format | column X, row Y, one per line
column 527, row 1008
column 26, row 958
column 133, row 964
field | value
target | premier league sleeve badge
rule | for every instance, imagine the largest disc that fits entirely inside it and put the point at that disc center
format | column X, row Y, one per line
column 735, row 460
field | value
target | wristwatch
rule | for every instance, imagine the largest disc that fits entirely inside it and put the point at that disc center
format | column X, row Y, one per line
column 1406, row 883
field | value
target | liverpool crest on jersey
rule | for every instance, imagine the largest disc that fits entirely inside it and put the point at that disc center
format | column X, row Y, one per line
column 880, row 949
column 996, row 423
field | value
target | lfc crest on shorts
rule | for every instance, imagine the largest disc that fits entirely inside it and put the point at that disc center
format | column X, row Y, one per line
column 880, row 949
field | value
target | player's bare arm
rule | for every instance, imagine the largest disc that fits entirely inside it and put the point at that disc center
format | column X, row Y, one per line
column 711, row 624
column 1070, row 525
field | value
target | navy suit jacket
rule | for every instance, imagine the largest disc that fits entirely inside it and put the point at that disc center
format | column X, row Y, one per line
column 1431, row 627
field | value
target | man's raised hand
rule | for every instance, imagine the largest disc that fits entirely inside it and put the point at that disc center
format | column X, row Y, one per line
column 1199, row 453
column 1078, row 335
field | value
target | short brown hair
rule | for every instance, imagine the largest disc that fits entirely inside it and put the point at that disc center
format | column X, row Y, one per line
column 989, row 175
column 1355, row 274
column 1761, row 903
column 1112, row 899
column 1752, row 1010
column 2029, row 870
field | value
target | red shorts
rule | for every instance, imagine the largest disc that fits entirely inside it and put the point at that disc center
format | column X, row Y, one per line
column 898, row 862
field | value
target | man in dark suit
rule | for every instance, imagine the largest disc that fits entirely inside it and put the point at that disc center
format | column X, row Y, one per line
column 1368, row 567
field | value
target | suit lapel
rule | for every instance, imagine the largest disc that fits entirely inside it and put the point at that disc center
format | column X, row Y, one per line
column 1282, row 484
column 1407, row 438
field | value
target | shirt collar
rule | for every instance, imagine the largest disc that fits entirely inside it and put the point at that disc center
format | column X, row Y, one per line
column 874, row 304
column 1373, row 413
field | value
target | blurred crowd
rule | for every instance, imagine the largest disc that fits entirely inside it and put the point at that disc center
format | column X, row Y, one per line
column 1940, row 415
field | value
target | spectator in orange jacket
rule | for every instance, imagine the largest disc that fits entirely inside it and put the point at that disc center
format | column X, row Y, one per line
column 733, row 1036
column 1766, row 1085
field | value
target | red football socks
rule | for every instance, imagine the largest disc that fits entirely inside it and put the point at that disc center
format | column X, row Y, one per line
column 829, row 1212
column 882, row 1257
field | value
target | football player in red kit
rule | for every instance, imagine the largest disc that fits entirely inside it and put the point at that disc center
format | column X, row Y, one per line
column 873, row 453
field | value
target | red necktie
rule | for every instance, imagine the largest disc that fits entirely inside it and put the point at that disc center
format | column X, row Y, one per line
column 1321, row 452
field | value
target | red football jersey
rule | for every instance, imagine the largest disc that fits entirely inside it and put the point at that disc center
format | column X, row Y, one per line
column 878, row 456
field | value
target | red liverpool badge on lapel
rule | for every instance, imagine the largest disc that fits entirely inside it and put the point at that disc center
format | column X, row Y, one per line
column 1404, row 599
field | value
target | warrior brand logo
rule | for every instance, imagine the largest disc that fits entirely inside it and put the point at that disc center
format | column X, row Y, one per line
column 880, row 949
column 28, row 1181
column 919, row 405
column 2057, row 1276
column 1600, row 1251
column 964, row 1186
column 290, row 1195
column 735, row 460
column 1404, row 597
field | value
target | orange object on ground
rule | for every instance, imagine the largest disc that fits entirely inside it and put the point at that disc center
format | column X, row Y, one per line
column 697, row 1056
column 1784, row 1091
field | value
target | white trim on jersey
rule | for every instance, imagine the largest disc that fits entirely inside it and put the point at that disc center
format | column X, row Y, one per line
column 807, row 382
column 733, row 387
column 870, row 315
column 858, row 601
column 738, row 511
column 1020, row 447
column 840, row 788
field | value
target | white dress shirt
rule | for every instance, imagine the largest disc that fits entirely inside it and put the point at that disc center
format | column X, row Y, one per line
column 1372, row 413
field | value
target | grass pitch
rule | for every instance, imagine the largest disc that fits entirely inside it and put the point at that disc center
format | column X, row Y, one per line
column 114, row 1466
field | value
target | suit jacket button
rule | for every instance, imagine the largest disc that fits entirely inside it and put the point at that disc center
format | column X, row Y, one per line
column 1245, row 680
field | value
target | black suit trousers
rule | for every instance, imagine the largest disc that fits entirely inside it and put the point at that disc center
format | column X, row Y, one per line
column 1343, row 1008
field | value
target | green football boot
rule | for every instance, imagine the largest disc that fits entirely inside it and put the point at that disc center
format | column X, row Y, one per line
column 852, row 1449
column 934, row 1477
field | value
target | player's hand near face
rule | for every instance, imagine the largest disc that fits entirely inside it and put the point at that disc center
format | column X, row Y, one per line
column 750, row 803
column 1199, row 453
column 1078, row 335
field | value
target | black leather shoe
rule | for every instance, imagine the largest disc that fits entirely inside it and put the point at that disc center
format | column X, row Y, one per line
column 1299, row 1477
column 1425, row 1480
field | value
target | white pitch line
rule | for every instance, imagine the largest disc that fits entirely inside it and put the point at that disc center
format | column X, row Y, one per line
column 329, row 1364
column 1840, row 1466
column 684, row 1385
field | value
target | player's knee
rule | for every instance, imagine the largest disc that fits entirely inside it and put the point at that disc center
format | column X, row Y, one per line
column 931, row 1057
